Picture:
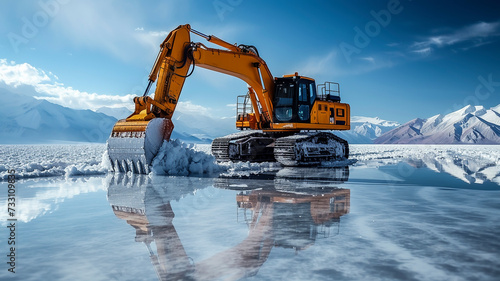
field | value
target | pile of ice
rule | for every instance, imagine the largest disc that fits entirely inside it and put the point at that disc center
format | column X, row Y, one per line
column 181, row 159
column 176, row 158
column 34, row 161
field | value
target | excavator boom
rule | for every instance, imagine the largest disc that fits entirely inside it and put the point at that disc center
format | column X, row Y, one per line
column 280, row 107
column 135, row 141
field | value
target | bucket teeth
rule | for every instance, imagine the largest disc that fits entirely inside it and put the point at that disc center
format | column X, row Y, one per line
column 133, row 150
column 132, row 164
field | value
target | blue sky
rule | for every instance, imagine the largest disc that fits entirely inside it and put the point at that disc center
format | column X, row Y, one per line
column 397, row 60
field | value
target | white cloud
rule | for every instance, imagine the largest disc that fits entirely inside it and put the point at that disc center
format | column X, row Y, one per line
column 46, row 200
column 474, row 35
column 159, row 33
column 369, row 59
column 45, row 86
column 424, row 51
column 189, row 107
column 69, row 97
column 15, row 75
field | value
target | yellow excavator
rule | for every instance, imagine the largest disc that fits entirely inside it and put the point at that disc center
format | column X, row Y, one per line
column 281, row 119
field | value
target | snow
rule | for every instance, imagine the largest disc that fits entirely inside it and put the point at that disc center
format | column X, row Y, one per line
column 492, row 117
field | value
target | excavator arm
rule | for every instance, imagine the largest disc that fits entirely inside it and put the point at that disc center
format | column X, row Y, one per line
column 178, row 54
column 137, row 139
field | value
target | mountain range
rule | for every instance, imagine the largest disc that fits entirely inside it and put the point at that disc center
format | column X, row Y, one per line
column 366, row 129
column 24, row 119
column 470, row 124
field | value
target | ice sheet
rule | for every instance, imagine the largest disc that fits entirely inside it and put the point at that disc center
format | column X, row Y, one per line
column 470, row 163
column 35, row 161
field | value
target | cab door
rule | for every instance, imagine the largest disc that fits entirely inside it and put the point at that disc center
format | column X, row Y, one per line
column 303, row 104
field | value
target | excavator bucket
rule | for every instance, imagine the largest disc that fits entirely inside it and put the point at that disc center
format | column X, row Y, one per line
column 133, row 144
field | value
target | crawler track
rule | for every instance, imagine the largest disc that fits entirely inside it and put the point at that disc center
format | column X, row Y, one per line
column 303, row 149
column 253, row 146
column 310, row 149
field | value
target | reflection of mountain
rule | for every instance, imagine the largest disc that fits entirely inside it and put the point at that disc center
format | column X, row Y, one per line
column 469, row 170
column 275, row 218
column 471, row 164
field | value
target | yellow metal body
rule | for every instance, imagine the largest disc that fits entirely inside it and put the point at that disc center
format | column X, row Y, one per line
column 176, row 57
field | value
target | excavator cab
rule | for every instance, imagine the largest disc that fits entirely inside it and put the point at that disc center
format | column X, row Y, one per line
column 294, row 98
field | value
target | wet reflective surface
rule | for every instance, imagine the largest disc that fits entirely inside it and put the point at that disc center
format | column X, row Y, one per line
column 401, row 221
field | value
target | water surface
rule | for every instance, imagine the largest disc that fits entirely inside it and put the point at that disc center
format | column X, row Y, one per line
column 396, row 220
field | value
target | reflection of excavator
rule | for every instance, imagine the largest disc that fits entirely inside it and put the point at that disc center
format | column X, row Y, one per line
column 277, row 219
column 278, row 114
column 297, row 218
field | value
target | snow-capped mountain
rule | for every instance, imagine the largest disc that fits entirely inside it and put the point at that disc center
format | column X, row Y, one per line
column 471, row 124
column 116, row 112
column 188, row 126
column 202, row 126
column 24, row 119
column 366, row 129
